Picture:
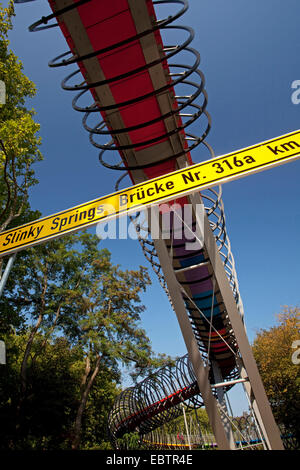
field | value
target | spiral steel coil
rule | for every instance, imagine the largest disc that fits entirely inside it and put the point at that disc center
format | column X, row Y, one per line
column 155, row 401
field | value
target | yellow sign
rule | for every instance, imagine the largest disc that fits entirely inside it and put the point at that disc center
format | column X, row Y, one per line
column 162, row 189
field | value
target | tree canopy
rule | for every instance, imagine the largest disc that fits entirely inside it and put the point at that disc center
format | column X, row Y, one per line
column 273, row 351
column 68, row 294
column 19, row 139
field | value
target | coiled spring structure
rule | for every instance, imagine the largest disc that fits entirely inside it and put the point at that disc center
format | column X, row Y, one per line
column 141, row 96
column 155, row 401
column 158, row 400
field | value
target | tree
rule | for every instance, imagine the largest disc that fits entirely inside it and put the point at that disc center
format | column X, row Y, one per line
column 19, row 143
column 53, row 390
column 40, row 285
column 273, row 351
column 107, row 328
column 68, row 287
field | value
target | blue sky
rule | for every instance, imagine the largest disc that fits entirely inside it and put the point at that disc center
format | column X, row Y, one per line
column 250, row 56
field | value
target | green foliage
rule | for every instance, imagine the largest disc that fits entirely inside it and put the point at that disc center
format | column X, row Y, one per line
column 196, row 419
column 6, row 15
column 281, row 377
column 73, row 318
column 19, row 143
column 43, row 280
column 129, row 441
column 53, row 393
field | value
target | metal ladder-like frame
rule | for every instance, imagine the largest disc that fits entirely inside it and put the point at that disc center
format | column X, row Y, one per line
column 245, row 361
